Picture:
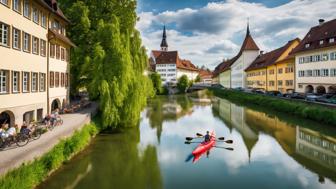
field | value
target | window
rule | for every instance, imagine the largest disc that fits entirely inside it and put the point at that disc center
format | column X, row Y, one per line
column 16, row 39
column 15, row 81
column 56, row 79
column 280, row 82
column 325, row 57
column 35, row 45
column 331, row 40
column 26, row 8
column 62, row 54
column 34, row 82
column 43, row 47
column 52, row 50
column 56, row 25
column 42, row 82
column 307, row 45
column 333, row 56
column 36, row 17
column 26, row 42
column 301, row 60
column 17, row 5
column 58, row 48
column 43, row 20
column 280, row 70
column 5, row 2
column 321, row 42
column 289, row 82
column 333, row 72
column 4, row 34
column 309, row 73
column 25, row 82
column 324, row 72
column 271, row 72
column 316, row 73
column 66, row 80
column 289, row 69
column 3, row 81
column 271, row 83
column 52, row 83
column 62, row 79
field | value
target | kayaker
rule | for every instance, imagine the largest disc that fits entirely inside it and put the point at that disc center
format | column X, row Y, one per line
column 207, row 137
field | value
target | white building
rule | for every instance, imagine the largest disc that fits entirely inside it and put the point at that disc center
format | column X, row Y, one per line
column 169, row 65
column 315, row 60
column 247, row 54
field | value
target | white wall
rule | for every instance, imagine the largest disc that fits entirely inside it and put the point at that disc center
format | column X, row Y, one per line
column 167, row 72
column 190, row 74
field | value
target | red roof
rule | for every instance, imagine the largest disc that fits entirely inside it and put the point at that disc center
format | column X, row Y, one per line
column 172, row 57
column 205, row 73
column 248, row 44
column 269, row 58
column 324, row 31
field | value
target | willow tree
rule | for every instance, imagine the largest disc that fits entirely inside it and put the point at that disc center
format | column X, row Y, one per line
column 109, row 60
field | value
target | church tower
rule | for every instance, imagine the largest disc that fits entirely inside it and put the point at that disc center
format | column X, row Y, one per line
column 164, row 44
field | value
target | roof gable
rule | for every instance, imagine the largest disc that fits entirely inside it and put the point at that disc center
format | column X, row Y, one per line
column 324, row 32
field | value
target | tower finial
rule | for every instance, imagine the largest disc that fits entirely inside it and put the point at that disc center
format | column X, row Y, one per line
column 164, row 44
column 248, row 26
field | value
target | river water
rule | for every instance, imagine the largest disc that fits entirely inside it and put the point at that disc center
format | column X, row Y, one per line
column 271, row 150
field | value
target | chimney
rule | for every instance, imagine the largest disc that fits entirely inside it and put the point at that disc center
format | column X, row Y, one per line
column 321, row 21
column 261, row 52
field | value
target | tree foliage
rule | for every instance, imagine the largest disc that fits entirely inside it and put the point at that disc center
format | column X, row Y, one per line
column 198, row 78
column 183, row 83
column 157, row 82
column 109, row 59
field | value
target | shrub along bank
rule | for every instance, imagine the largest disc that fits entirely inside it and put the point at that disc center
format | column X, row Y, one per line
column 33, row 173
column 309, row 111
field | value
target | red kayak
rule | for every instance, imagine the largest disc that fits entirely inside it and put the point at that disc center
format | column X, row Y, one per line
column 205, row 146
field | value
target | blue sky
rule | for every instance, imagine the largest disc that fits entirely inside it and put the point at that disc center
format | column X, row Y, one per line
column 206, row 32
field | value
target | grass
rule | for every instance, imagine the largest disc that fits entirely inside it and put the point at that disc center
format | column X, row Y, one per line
column 313, row 112
column 31, row 174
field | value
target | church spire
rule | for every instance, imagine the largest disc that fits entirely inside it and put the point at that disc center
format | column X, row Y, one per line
column 248, row 27
column 164, row 44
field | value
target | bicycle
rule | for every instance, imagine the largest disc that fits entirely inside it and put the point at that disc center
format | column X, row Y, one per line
column 20, row 140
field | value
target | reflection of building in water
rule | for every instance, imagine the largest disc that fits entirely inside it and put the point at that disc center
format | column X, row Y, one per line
column 316, row 147
column 234, row 117
column 313, row 150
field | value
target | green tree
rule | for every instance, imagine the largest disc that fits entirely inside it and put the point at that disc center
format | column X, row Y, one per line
column 198, row 78
column 183, row 83
column 157, row 83
column 109, row 59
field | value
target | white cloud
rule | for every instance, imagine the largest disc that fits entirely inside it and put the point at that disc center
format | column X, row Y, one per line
column 196, row 31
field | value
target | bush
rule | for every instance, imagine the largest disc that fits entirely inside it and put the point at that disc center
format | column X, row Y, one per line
column 313, row 112
column 183, row 84
column 29, row 175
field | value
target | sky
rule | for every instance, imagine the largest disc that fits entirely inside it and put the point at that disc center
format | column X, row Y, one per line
column 207, row 32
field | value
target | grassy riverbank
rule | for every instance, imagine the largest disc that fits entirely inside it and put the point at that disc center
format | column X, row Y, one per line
column 29, row 175
column 308, row 111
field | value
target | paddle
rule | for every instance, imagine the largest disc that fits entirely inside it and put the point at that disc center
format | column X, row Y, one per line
column 231, row 149
column 191, row 138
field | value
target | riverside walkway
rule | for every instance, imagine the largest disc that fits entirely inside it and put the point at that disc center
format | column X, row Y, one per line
column 13, row 157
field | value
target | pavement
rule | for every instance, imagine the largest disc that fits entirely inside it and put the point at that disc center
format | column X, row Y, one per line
column 14, row 156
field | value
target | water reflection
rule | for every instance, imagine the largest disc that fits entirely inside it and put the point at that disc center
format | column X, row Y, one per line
column 271, row 150
column 311, row 148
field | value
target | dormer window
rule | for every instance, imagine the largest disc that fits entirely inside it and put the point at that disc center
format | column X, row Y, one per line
column 307, row 45
column 331, row 40
column 321, row 42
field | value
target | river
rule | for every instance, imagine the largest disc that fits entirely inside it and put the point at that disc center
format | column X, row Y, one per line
column 271, row 150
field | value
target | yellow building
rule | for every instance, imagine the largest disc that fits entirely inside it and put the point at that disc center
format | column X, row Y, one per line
column 273, row 71
column 27, row 27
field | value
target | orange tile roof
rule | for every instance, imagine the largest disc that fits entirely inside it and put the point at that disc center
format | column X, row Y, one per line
column 172, row 57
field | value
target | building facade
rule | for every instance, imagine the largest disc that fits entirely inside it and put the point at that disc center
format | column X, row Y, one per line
column 25, row 27
column 273, row 71
column 315, row 60
column 169, row 65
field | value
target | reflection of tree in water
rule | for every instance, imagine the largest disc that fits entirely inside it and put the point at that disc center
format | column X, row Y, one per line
column 164, row 108
column 116, row 163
